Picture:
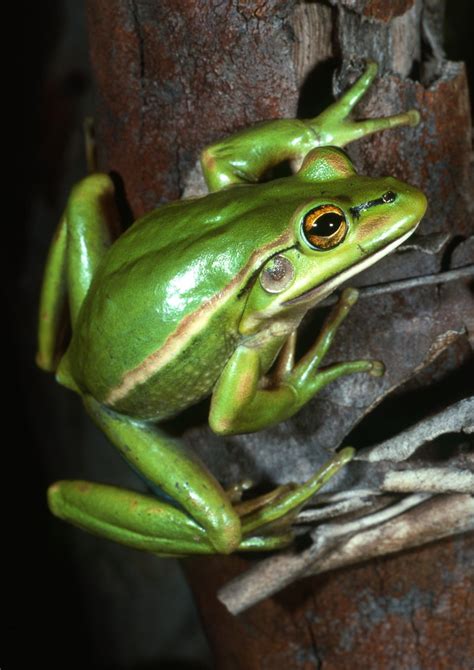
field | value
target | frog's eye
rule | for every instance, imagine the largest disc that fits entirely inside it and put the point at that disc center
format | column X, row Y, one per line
column 324, row 227
column 277, row 274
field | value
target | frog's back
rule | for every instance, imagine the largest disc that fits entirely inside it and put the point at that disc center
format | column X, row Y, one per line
column 161, row 316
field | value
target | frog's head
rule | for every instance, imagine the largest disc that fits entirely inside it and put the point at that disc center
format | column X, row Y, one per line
column 346, row 223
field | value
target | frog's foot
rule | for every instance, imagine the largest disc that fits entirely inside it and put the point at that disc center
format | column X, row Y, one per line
column 334, row 127
column 143, row 521
column 236, row 491
column 306, row 377
column 249, row 506
column 242, row 508
column 283, row 504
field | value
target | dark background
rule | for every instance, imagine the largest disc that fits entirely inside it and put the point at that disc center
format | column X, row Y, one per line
column 49, row 615
column 56, row 611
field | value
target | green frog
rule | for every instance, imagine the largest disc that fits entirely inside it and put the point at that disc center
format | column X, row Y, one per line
column 204, row 297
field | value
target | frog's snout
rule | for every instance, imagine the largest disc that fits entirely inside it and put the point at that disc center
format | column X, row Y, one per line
column 416, row 204
column 421, row 203
column 411, row 203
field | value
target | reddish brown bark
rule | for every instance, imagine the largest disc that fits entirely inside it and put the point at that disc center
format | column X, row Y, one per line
column 411, row 610
column 170, row 78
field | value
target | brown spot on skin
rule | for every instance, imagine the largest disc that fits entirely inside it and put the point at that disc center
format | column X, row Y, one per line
column 246, row 384
column 208, row 160
column 340, row 163
column 342, row 197
column 373, row 223
column 221, row 426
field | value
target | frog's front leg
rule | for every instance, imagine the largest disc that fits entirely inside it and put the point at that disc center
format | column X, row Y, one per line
column 248, row 154
column 240, row 405
column 202, row 521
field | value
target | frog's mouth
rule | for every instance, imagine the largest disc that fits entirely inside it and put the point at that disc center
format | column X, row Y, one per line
column 318, row 293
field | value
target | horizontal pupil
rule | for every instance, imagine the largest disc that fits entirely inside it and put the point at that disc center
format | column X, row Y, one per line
column 326, row 225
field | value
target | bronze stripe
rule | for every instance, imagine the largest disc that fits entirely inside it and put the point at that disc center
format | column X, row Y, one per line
column 188, row 327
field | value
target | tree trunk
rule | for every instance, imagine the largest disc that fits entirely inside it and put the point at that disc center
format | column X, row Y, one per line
column 172, row 77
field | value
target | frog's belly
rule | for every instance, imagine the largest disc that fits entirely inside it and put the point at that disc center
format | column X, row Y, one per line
column 186, row 379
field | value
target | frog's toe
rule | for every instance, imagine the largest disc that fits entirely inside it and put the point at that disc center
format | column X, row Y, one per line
column 236, row 491
column 266, row 499
column 266, row 542
column 377, row 369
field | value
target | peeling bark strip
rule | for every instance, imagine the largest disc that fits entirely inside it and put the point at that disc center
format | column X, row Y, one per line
column 173, row 77
column 454, row 419
column 378, row 525
column 433, row 520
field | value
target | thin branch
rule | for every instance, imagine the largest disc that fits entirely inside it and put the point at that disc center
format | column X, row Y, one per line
column 432, row 480
column 338, row 530
column 431, row 519
column 466, row 272
column 386, row 528
column 350, row 506
column 456, row 418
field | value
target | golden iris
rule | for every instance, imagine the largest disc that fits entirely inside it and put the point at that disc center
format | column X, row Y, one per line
column 324, row 227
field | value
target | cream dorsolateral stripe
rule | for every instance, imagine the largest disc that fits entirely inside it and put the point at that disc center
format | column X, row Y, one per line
column 189, row 327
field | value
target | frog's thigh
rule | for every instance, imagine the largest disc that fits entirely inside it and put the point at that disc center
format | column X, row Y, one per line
column 87, row 227
column 166, row 463
column 92, row 225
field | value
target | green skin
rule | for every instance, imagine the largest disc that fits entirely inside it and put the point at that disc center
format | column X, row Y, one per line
column 180, row 307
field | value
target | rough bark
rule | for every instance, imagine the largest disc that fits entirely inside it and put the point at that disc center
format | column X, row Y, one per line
column 170, row 78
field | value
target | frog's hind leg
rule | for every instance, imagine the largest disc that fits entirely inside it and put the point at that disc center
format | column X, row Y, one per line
column 202, row 515
column 142, row 521
column 87, row 228
column 200, row 518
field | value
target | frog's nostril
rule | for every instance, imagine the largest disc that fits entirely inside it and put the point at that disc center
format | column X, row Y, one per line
column 389, row 196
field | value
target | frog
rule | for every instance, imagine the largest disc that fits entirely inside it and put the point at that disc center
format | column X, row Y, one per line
column 204, row 297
